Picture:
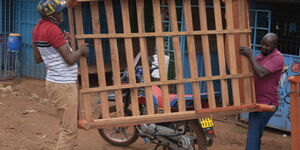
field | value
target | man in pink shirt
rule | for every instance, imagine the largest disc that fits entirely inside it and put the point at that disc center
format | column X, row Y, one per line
column 268, row 69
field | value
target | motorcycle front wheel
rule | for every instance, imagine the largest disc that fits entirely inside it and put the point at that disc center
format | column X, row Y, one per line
column 119, row 136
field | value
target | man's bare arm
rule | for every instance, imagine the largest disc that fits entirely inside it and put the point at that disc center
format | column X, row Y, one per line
column 37, row 56
column 259, row 70
column 71, row 57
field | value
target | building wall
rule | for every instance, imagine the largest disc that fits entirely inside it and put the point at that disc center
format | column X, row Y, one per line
column 1, row 40
column 26, row 18
column 6, row 26
column 285, row 22
column 1, row 14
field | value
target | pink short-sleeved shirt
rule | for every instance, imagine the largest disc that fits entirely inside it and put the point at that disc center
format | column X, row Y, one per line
column 267, row 88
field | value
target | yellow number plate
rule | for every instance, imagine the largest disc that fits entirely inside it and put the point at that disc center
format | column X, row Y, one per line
column 206, row 122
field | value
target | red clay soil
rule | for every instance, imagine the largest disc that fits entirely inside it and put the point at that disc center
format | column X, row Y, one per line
column 29, row 122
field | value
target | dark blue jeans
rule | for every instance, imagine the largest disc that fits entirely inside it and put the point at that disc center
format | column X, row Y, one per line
column 257, row 123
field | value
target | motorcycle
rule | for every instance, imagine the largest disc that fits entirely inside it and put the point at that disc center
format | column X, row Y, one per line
column 179, row 135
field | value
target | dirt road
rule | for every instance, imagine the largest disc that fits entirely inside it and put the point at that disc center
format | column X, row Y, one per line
column 29, row 122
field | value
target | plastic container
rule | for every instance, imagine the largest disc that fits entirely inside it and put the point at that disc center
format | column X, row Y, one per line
column 14, row 41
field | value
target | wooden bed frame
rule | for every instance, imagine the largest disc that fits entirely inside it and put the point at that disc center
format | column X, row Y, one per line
column 229, row 37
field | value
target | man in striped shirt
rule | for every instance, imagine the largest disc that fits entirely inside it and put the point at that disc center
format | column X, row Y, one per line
column 51, row 47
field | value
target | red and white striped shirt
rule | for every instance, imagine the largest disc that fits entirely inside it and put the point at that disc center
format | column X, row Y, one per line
column 47, row 36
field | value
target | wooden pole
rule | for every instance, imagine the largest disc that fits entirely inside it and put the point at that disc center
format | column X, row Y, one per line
column 232, row 52
column 83, row 67
column 99, row 59
column 130, row 57
column 192, row 54
column 221, row 52
column 114, row 56
column 161, row 55
column 177, row 55
column 206, row 54
column 144, row 54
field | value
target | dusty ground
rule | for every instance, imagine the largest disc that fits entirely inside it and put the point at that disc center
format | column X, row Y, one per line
column 28, row 122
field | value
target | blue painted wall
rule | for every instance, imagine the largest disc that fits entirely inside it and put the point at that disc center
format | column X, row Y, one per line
column 2, row 40
column 1, row 13
column 27, row 17
column 6, row 26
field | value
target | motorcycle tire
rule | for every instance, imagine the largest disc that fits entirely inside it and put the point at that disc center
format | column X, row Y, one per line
column 118, row 142
column 201, row 137
column 195, row 129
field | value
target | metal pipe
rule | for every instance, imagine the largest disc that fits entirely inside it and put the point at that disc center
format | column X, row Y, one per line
column 295, row 111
